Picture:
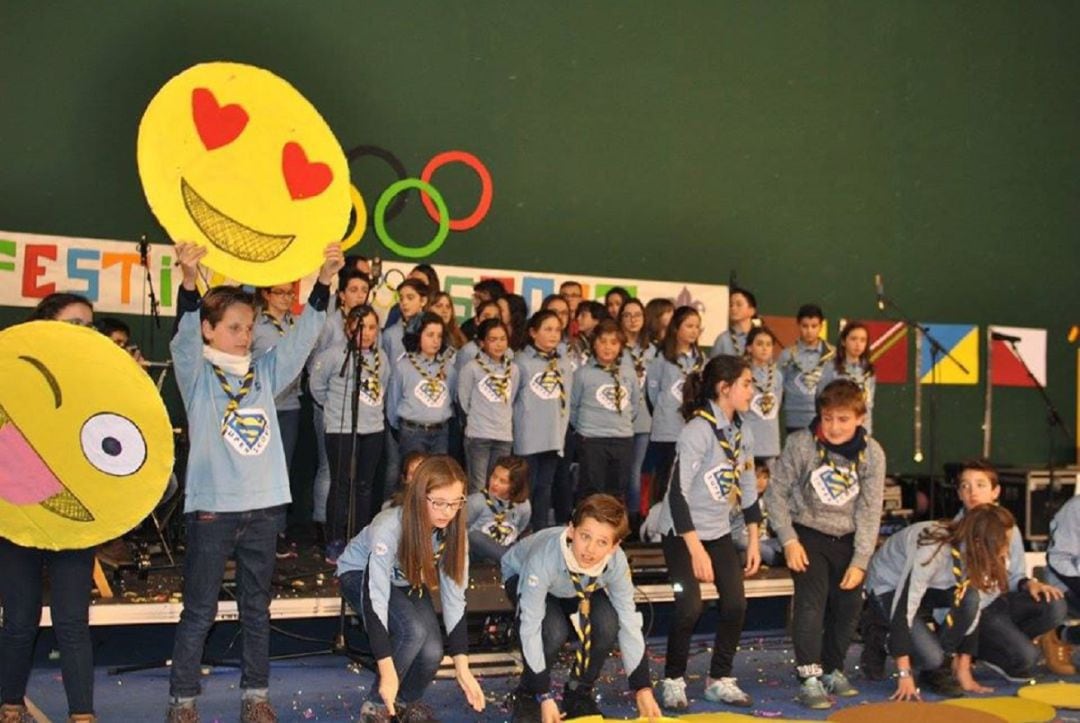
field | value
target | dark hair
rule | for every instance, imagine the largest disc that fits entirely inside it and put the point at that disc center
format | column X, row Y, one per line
column 453, row 332
column 430, row 274
column 487, row 325
column 981, row 534
column 109, row 325
column 550, row 298
column 604, row 509
column 607, row 326
column 757, row 331
column 492, row 287
column 571, row 282
column 809, row 311
column 619, row 291
column 51, row 306
column 519, row 312
column 484, row 305
column 841, row 355
column 642, row 341
column 346, row 275
column 412, row 458
column 518, row 468
column 412, row 338
column 746, row 294
column 842, row 394
column 537, row 320
column 653, row 311
column 416, row 285
column 700, row 387
column 669, row 346
column 219, row 299
column 980, row 465
column 357, row 316
column 594, row 309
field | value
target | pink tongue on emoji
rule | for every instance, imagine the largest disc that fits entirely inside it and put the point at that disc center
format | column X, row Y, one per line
column 24, row 478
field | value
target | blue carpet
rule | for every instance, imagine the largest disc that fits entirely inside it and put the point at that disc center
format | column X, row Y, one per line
column 330, row 689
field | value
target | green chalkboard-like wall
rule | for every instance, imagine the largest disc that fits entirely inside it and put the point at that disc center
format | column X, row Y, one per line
column 805, row 145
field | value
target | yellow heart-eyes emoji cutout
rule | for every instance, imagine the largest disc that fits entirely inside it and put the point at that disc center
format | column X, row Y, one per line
column 233, row 158
column 86, row 445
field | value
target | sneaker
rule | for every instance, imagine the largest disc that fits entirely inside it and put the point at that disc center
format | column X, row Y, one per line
column 1025, row 679
column 10, row 713
column 284, row 549
column 372, row 712
column 1057, row 652
column 836, row 683
column 580, row 702
column 812, row 694
column 182, row 714
column 416, row 713
column 257, row 710
column 333, row 551
column 726, row 690
column 941, row 681
column 673, row 694
column 526, row 708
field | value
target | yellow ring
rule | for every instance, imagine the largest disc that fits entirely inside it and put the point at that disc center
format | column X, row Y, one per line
column 353, row 237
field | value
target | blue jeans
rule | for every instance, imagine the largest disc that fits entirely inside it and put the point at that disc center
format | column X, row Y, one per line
column 69, row 601
column 415, row 636
column 928, row 649
column 542, row 468
column 321, row 491
column 484, row 549
column 1008, row 625
column 212, row 538
column 418, row 439
column 480, row 457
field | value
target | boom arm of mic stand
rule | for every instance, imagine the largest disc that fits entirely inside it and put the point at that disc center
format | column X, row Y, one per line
column 934, row 343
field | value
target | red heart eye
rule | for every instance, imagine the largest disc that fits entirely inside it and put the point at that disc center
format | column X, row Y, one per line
column 217, row 125
column 304, row 178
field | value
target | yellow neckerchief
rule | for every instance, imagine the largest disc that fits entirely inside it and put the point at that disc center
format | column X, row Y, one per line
column 731, row 450
column 277, row 324
column 502, row 531
column 552, row 359
column 433, row 383
column 500, row 378
column 613, row 370
column 234, row 399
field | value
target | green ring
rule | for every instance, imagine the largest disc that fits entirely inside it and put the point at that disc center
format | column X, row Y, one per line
column 412, row 252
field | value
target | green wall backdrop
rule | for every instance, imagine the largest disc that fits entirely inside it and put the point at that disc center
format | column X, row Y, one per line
column 806, row 145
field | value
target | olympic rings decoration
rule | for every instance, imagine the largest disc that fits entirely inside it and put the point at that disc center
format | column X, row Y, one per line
column 472, row 162
column 392, row 201
column 412, row 252
column 360, row 220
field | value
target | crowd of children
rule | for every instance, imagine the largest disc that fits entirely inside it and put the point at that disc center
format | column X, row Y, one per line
column 526, row 441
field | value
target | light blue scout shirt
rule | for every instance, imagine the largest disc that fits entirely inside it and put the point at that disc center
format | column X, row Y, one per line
column 664, row 383
column 393, row 341
column 333, row 392
column 422, row 389
column 540, row 565
column 1063, row 554
column 826, row 491
column 469, row 351
column 709, row 476
column 241, row 467
column 603, row 402
column 331, row 334
column 375, row 550
column 542, row 407
column 731, row 342
column 763, row 417
column 924, row 567
column 639, row 360
column 866, row 380
column 486, row 392
column 267, row 334
column 802, row 367
column 482, row 509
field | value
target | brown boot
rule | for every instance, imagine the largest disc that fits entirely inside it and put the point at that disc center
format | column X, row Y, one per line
column 1058, row 654
column 15, row 714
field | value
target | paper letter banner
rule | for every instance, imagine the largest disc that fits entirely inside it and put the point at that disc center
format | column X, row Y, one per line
column 962, row 342
column 1006, row 369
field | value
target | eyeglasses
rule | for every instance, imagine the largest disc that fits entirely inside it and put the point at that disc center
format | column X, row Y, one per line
column 446, row 505
column 282, row 292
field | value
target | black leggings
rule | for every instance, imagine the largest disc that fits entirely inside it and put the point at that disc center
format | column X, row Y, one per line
column 369, row 448
column 728, row 576
column 664, row 454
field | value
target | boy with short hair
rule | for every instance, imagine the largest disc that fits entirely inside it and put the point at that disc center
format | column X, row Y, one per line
column 802, row 366
column 576, row 578
column 824, row 502
column 483, row 290
column 1030, row 610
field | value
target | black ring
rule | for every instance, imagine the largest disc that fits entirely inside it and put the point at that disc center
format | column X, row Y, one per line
column 398, row 204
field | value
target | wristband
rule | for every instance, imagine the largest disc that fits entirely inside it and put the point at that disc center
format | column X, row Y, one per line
column 903, row 673
column 541, row 697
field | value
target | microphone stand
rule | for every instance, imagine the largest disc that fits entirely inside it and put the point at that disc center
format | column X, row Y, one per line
column 936, row 351
column 1053, row 421
column 155, row 307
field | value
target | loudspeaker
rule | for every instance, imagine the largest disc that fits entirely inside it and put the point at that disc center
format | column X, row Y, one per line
column 1027, row 494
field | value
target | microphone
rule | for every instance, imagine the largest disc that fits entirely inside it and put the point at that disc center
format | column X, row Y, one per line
column 144, row 250
column 376, row 271
column 998, row 336
column 879, row 287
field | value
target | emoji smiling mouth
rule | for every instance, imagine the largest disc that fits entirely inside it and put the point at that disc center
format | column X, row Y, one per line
column 229, row 235
column 25, row 479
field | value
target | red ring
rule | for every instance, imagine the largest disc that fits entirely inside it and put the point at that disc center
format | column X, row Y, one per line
column 485, row 188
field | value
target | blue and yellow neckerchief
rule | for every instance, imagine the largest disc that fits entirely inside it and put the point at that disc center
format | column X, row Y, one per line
column 233, row 404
